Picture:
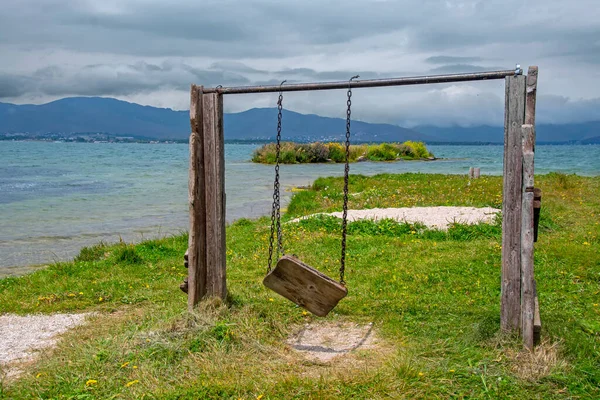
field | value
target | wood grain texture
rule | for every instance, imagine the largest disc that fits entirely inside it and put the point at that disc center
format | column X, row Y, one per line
column 537, row 323
column 214, row 192
column 196, row 246
column 527, row 233
column 305, row 286
column 537, row 208
column 511, row 205
column 206, row 248
column 532, row 78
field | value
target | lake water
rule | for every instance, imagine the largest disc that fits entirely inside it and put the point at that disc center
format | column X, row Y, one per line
column 58, row 197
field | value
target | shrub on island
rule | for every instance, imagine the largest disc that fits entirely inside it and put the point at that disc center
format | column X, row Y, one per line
column 302, row 153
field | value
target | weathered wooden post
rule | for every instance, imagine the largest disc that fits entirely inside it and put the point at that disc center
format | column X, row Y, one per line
column 206, row 253
column 527, row 234
column 530, row 320
column 514, row 117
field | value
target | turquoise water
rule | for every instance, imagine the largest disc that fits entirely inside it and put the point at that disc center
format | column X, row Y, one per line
column 57, row 197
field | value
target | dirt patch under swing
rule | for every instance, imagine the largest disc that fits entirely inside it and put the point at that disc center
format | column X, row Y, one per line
column 325, row 341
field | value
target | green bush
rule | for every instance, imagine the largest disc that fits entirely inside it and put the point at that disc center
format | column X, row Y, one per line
column 418, row 148
column 337, row 152
column 127, row 254
column 318, row 152
column 405, row 151
column 382, row 152
column 287, row 157
column 92, row 253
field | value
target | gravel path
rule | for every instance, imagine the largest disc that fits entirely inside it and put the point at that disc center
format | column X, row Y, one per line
column 21, row 336
column 432, row 217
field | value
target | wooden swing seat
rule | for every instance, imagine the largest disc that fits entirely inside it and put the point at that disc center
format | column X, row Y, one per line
column 305, row 286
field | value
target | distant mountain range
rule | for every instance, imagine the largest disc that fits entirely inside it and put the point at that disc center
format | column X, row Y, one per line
column 91, row 115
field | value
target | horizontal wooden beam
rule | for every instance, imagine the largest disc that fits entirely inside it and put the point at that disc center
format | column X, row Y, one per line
column 414, row 80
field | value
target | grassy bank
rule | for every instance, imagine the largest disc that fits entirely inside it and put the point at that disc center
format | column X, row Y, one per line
column 433, row 298
column 302, row 153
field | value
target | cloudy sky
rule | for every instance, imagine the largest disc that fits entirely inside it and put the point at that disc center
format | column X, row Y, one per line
column 150, row 51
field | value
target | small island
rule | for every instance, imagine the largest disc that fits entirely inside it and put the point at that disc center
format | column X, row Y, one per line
column 302, row 153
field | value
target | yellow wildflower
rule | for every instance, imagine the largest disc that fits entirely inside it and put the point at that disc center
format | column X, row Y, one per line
column 100, row 298
column 125, row 364
column 271, row 299
column 91, row 382
column 421, row 374
column 134, row 367
column 260, row 396
column 131, row 383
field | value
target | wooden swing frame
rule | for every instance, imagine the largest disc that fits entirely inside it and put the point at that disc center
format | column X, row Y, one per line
column 207, row 261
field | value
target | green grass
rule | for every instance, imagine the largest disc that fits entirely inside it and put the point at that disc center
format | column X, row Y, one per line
column 300, row 153
column 433, row 297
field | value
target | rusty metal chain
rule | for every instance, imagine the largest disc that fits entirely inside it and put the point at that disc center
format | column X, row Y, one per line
column 276, row 210
column 346, row 174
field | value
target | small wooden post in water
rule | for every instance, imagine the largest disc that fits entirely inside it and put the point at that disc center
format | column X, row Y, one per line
column 527, row 228
column 510, row 307
column 206, row 253
column 474, row 172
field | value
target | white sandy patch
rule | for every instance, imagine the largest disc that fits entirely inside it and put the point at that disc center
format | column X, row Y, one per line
column 432, row 217
column 22, row 336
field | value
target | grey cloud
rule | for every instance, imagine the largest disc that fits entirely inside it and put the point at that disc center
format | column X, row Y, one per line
column 13, row 86
column 270, row 29
column 463, row 68
column 235, row 66
column 560, row 109
column 146, row 50
column 233, row 29
column 451, row 59
column 308, row 73
column 113, row 80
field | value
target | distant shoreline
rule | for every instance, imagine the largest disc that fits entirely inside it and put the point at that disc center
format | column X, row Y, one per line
column 261, row 141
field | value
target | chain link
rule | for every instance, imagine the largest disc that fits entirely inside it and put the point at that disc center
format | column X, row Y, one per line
column 276, row 209
column 346, row 175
